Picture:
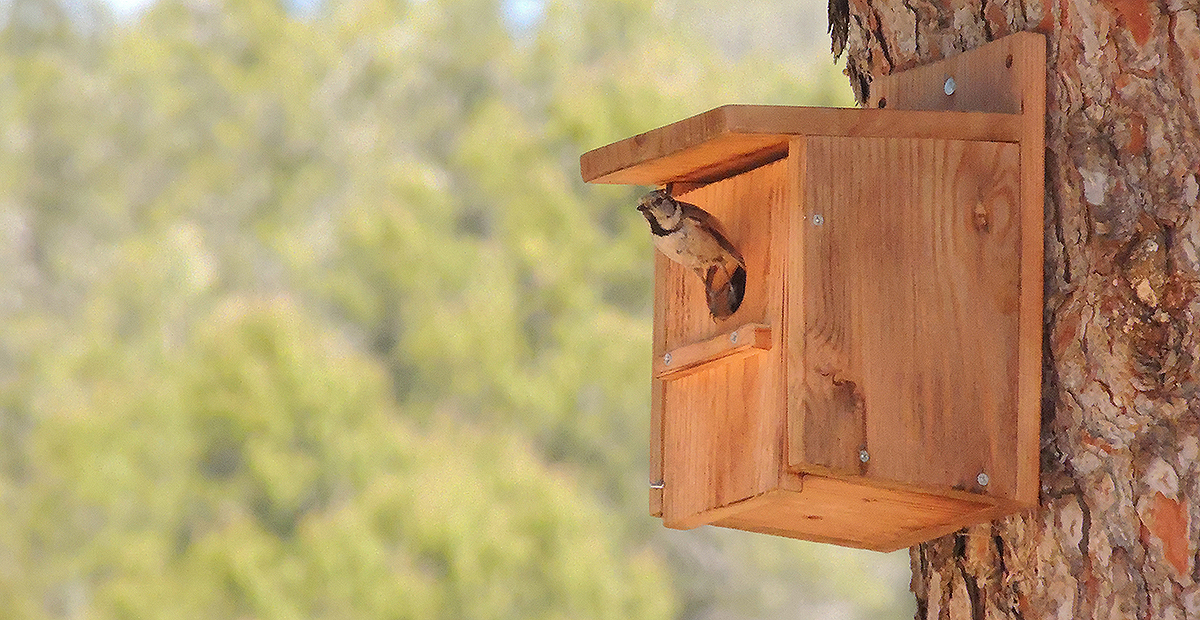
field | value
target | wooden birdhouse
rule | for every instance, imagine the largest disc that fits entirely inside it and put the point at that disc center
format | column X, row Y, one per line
column 879, row 385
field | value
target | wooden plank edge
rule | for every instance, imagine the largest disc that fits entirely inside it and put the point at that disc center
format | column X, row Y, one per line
column 1029, row 52
column 656, row 501
column 745, row 340
column 982, row 514
column 706, row 517
column 904, row 487
column 853, row 543
column 904, row 540
column 730, row 154
column 618, row 163
column 657, row 391
column 653, row 144
column 657, row 405
column 874, row 123
column 795, row 312
column 918, row 536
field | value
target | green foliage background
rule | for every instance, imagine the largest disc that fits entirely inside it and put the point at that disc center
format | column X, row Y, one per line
column 310, row 316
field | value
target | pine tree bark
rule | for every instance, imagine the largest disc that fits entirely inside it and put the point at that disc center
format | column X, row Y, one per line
column 1118, row 527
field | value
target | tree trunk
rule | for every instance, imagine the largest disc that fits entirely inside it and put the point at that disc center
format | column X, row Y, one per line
column 1117, row 531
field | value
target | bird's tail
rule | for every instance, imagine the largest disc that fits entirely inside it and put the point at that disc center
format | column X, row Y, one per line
column 725, row 286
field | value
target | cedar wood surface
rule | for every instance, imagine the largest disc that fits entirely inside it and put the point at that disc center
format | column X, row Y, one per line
column 910, row 295
column 739, row 396
column 745, row 340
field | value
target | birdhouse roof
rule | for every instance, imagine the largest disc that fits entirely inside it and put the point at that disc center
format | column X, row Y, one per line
column 734, row 138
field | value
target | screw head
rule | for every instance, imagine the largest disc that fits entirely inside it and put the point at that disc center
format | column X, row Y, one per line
column 949, row 86
column 982, row 479
column 666, row 358
column 733, row 337
column 863, row 455
column 818, row 219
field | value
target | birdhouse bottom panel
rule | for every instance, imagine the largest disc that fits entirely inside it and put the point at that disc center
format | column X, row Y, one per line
column 835, row 511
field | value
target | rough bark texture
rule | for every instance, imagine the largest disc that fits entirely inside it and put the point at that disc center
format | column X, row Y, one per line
column 1119, row 525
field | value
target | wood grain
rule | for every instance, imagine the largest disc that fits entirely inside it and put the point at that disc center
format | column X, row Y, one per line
column 1006, row 76
column 857, row 514
column 795, row 312
column 986, row 80
column 722, row 424
column 745, row 340
column 911, row 294
column 1029, row 72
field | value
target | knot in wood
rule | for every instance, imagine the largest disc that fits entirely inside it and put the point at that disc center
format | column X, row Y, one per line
column 981, row 217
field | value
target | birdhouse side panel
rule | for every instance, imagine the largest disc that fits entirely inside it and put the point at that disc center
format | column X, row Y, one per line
column 911, row 292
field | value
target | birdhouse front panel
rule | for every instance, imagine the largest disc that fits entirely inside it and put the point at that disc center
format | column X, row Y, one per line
column 737, row 368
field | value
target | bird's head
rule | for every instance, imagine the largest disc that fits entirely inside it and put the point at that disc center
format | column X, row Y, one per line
column 660, row 208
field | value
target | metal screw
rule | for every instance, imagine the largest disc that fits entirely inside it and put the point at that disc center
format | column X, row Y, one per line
column 948, row 88
column 982, row 479
column 733, row 337
column 666, row 358
column 863, row 455
column 818, row 219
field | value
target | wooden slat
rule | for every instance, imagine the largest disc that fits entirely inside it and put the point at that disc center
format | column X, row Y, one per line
column 873, row 123
column 912, row 285
column 745, row 340
column 828, row 424
column 795, row 309
column 999, row 77
column 735, row 138
column 656, row 474
column 1029, row 71
column 661, row 264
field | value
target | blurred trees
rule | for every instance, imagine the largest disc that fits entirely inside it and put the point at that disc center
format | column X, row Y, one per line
column 312, row 316
column 262, row 470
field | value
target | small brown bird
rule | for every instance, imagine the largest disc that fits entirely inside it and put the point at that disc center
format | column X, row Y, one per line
column 695, row 239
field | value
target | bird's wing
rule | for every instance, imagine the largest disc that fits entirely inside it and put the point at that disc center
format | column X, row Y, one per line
column 707, row 220
column 724, row 290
